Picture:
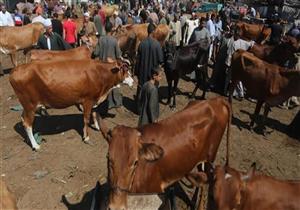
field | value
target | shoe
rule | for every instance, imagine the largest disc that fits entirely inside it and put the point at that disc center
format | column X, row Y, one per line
column 238, row 98
column 252, row 100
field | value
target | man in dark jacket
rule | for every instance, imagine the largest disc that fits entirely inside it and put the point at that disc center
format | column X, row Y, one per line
column 150, row 56
column 57, row 26
column 276, row 32
column 51, row 40
column 150, row 99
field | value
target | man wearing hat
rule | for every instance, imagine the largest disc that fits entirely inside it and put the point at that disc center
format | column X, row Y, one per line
column 118, row 20
column 50, row 40
column 88, row 29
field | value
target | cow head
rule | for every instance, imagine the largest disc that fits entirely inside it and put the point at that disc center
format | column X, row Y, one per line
column 126, row 150
column 121, row 69
column 229, row 187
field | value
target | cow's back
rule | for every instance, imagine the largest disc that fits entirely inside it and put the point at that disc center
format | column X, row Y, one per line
column 265, row 192
column 259, row 77
column 58, row 84
column 17, row 38
column 79, row 53
column 187, row 137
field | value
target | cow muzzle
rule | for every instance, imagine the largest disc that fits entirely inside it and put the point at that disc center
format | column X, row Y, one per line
column 117, row 200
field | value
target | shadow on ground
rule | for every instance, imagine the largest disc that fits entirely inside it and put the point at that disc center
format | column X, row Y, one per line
column 97, row 199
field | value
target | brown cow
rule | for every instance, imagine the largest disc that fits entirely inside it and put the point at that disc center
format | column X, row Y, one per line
column 161, row 32
column 109, row 9
column 256, row 32
column 251, row 191
column 7, row 199
column 19, row 38
column 278, row 54
column 60, row 84
column 79, row 53
column 153, row 157
column 265, row 82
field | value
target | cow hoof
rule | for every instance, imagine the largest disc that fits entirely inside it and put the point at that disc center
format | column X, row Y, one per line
column 86, row 139
column 36, row 148
column 95, row 126
column 172, row 107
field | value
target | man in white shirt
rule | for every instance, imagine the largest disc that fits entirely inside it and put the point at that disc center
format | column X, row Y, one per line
column 233, row 45
column 39, row 19
column 6, row 18
column 212, row 31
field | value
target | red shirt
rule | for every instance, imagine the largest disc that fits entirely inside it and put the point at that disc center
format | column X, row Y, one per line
column 102, row 15
column 70, row 31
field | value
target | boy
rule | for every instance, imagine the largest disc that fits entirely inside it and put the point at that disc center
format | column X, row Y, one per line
column 149, row 99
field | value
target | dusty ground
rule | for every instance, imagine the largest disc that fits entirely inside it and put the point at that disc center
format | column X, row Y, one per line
column 67, row 166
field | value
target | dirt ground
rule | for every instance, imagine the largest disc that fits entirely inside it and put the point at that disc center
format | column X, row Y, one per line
column 67, row 166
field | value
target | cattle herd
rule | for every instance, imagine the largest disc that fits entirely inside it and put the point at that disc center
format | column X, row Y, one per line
column 153, row 158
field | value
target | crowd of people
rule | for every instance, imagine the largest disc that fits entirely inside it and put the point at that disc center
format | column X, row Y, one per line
column 216, row 29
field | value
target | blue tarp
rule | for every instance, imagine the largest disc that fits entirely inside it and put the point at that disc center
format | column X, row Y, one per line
column 207, row 7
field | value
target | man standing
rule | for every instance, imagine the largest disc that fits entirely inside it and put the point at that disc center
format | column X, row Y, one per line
column 200, row 33
column 70, row 33
column 117, row 19
column 150, row 56
column 88, row 30
column 107, row 49
column 51, row 40
column 175, row 35
column 235, row 44
column 57, row 25
column 5, row 17
column 276, row 32
column 99, row 22
column 150, row 99
column 212, row 31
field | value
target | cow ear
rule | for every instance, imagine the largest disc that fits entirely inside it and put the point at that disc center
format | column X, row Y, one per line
column 252, row 170
column 151, row 152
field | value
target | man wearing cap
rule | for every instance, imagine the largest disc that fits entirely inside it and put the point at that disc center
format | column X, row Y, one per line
column 149, row 57
column 118, row 20
column 88, row 29
column 51, row 40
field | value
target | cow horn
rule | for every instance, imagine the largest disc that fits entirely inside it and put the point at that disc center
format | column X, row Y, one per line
column 107, row 133
column 227, row 176
column 245, row 178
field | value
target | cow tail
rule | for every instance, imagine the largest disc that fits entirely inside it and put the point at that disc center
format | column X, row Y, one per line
column 228, row 132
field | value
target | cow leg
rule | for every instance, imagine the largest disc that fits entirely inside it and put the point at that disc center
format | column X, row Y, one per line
column 13, row 57
column 256, row 113
column 27, row 118
column 174, row 92
column 171, row 196
column 205, row 81
column 87, row 108
column 96, row 119
column 266, row 112
column 169, row 91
